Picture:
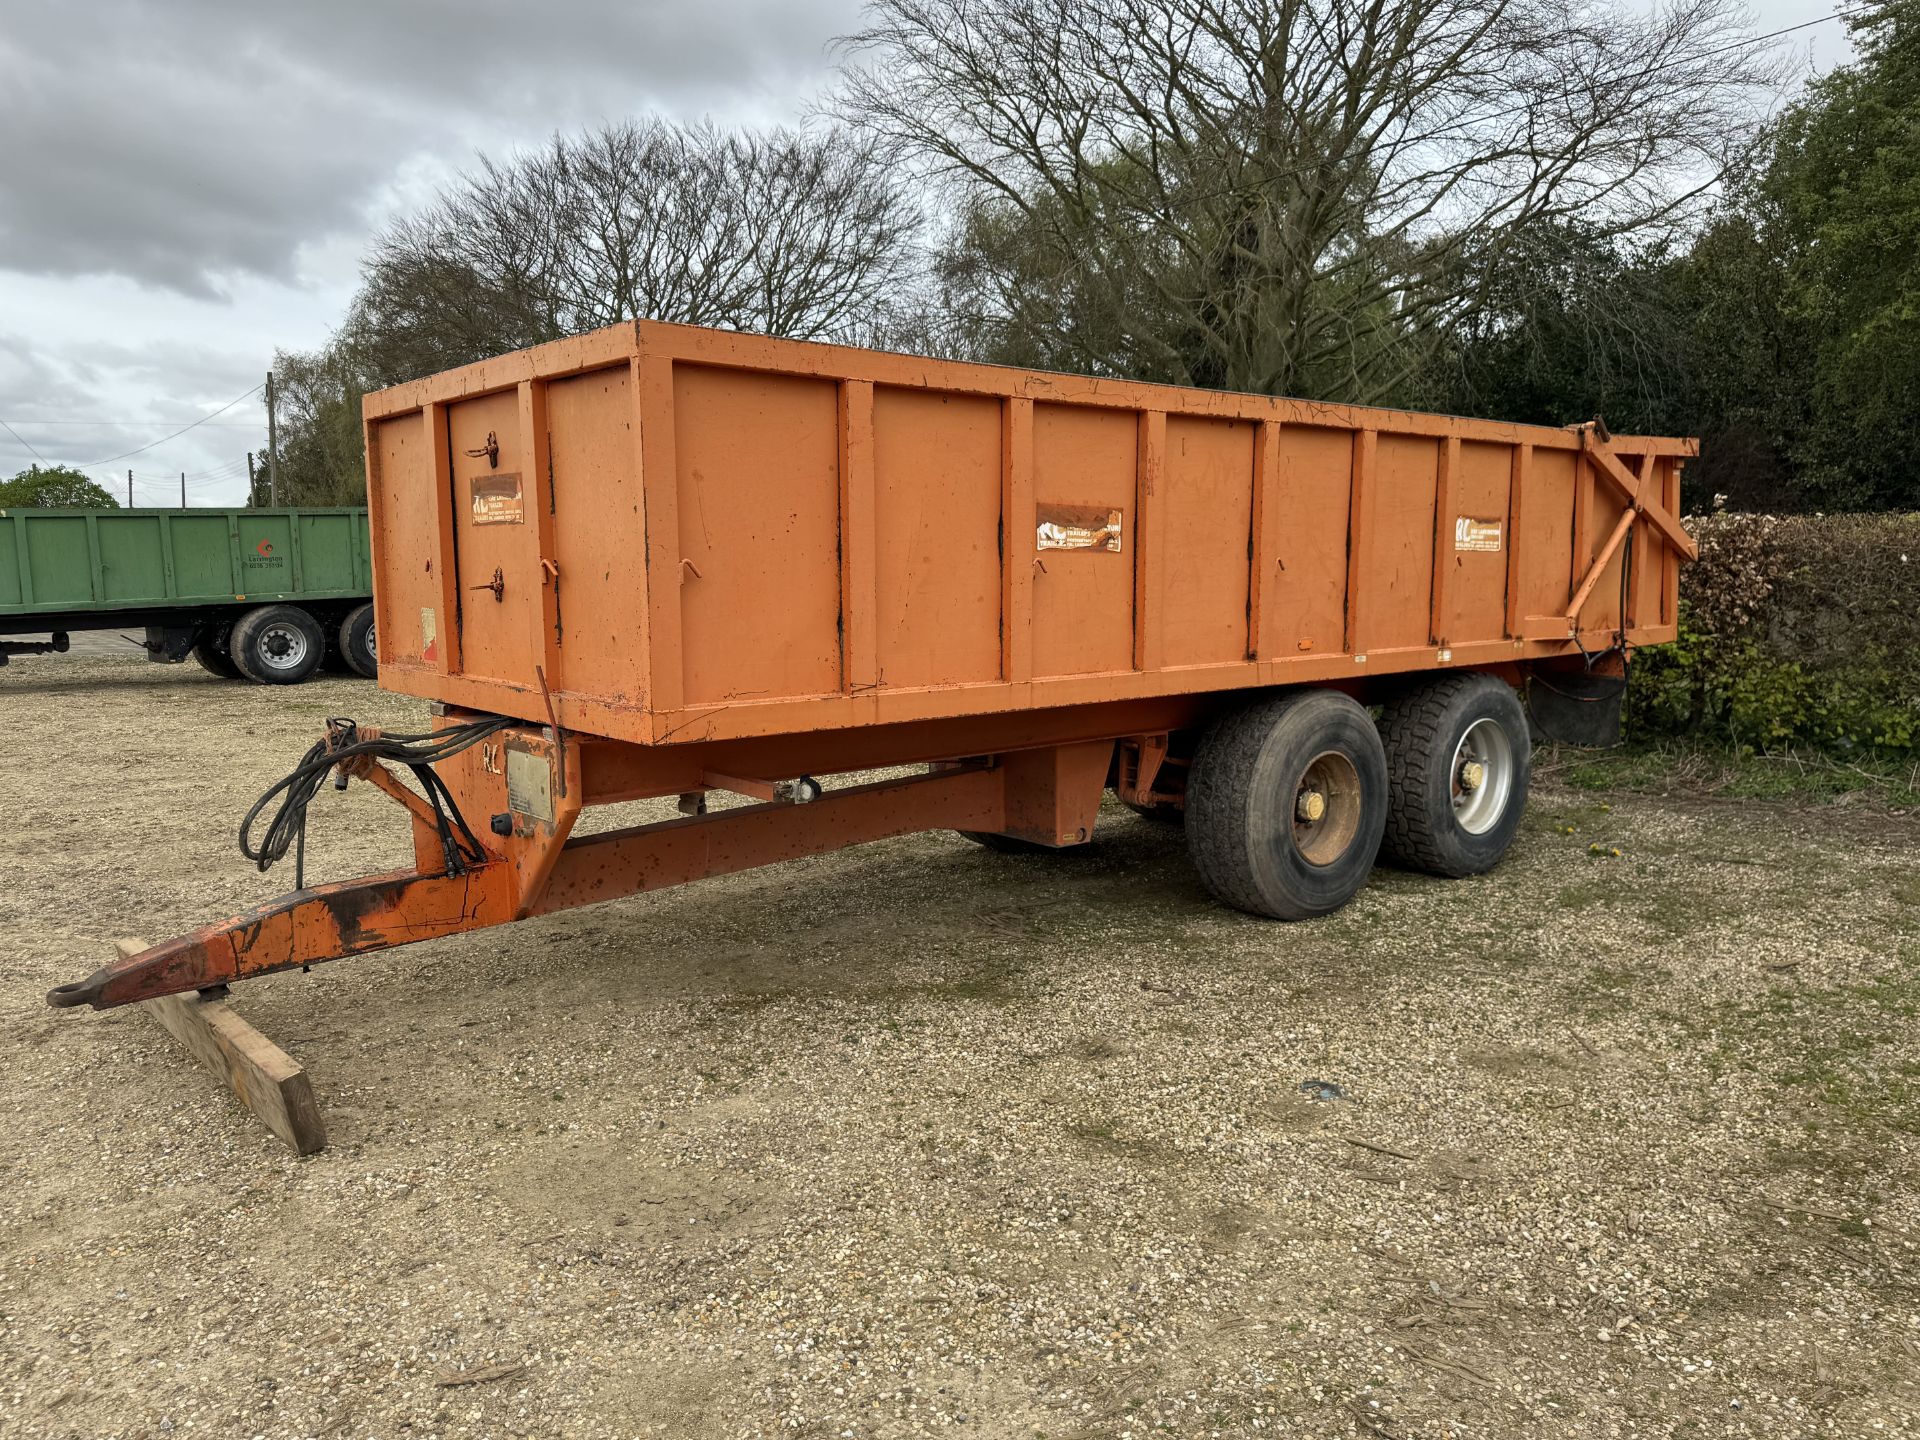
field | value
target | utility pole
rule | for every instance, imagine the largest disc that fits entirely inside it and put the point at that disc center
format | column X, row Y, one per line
column 253, row 491
column 129, row 489
column 183, row 489
column 273, row 447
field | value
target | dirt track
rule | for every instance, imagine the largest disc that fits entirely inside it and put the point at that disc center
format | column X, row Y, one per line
column 918, row 1136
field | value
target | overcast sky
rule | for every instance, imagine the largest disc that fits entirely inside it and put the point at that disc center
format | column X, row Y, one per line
column 187, row 185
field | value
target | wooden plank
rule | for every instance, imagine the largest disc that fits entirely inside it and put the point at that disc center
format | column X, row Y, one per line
column 263, row 1077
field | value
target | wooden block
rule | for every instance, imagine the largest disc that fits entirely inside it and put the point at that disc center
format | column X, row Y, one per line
column 263, row 1076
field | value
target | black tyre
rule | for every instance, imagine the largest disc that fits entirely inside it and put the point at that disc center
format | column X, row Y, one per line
column 213, row 656
column 356, row 642
column 277, row 645
column 1459, row 759
column 1286, row 802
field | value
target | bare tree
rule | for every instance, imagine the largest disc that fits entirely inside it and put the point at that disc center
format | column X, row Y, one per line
column 321, row 444
column 798, row 233
column 1290, row 196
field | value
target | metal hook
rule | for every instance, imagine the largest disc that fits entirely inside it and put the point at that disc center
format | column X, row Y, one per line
column 491, row 450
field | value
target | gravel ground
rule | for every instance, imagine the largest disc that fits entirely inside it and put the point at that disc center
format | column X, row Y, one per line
column 917, row 1137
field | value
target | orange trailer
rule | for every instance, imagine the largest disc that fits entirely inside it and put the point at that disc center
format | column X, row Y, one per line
column 665, row 561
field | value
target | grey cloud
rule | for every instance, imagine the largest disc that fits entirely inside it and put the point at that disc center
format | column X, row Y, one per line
column 51, row 396
column 182, row 143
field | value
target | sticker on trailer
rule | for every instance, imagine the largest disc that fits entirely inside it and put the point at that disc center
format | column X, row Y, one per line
column 1471, row 534
column 1079, row 527
column 429, row 632
column 496, row 500
column 529, row 785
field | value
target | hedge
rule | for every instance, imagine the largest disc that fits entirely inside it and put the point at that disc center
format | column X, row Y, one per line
column 1794, row 631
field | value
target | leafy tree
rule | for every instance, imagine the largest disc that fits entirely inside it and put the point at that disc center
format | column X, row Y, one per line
column 1743, row 369
column 1662, row 340
column 54, row 487
column 1840, row 203
column 1573, row 324
column 321, row 443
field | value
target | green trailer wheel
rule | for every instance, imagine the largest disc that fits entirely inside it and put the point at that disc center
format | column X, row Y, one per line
column 278, row 645
column 356, row 641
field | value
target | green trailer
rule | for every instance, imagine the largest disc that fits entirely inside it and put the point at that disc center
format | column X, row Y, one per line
column 262, row 595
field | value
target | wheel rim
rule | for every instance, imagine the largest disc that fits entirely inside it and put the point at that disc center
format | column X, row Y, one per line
column 1480, row 779
column 1326, row 808
column 282, row 647
column 373, row 649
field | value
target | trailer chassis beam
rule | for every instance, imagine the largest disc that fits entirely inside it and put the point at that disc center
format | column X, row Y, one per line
column 535, row 868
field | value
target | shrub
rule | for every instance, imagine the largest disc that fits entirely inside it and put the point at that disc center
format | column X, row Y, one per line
column 1794, row 631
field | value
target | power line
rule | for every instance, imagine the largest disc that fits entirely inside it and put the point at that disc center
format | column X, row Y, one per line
column 93, row 464
column 142, row 424
column 23, row 440
column 219, row 472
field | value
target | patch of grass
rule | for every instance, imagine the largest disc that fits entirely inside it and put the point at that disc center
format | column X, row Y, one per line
column 1840, row 1045
column 1105, row 1137
column 1586, row 894
column 1603, row 991
column 1670, row 766
column 994, row 988
column 1678, row 914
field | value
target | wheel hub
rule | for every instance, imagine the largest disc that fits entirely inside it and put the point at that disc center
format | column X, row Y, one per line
column 1483, row 776
column 283, row 647
column 1326, row 808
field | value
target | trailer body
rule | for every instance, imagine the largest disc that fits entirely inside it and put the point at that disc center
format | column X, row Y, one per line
column 665, row 561
column 667, row 535
column 186, row 575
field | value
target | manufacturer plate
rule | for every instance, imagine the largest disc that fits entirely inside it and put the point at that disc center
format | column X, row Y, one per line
column 1471, row 534
column 496, row 500
column 529, row 785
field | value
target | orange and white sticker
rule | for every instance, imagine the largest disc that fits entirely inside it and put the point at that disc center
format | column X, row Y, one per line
column 1471, row 534
column 429, row 633
column 1078, row 527
column 496, row 500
